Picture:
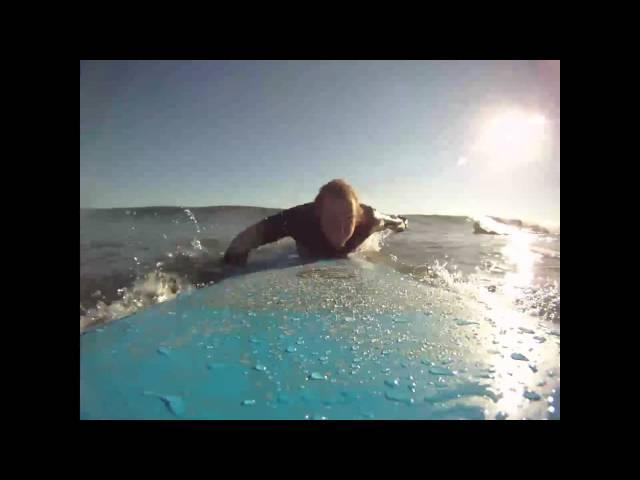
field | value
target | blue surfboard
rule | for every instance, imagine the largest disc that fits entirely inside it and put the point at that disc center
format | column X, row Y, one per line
column 339, row 339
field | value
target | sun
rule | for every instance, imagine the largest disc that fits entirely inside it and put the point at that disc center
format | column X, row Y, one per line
column 511, row 138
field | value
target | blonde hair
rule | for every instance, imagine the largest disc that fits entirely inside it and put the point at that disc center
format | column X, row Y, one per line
column 338, row 188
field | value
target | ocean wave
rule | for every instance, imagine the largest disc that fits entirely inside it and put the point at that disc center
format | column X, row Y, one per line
column 491, row 225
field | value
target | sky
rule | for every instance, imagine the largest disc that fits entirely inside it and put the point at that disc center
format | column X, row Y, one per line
column 412, row 137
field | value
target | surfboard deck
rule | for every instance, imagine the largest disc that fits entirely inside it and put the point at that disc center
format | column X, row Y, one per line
column 338, row 339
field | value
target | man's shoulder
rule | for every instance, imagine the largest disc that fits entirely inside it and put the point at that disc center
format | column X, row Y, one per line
column 369, row 215
column 299, row 218
column 297, row 212
column 368, row 210
column 305, row 208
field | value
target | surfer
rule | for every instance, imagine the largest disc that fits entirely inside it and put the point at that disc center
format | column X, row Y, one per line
column 331, row 226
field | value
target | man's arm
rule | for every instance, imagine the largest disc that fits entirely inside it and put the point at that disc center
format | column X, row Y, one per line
column 392, row 222
column 266, row 231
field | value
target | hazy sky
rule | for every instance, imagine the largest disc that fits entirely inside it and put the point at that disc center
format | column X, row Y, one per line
column 270, row 133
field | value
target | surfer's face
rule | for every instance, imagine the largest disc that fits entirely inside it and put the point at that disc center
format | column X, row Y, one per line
column 338, row 220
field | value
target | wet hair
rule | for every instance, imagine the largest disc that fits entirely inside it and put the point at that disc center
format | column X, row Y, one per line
column 337, row 188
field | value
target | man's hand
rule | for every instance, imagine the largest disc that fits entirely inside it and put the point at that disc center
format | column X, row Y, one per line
column 404, row 225
column 391, row 222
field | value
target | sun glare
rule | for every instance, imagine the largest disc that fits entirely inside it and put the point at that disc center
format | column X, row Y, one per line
column 511, row 138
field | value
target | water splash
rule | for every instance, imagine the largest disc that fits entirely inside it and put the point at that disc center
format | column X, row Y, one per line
column 154, row 287
column 193, row 219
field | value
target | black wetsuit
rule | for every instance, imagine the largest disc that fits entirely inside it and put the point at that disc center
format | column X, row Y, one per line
column 303, row 225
